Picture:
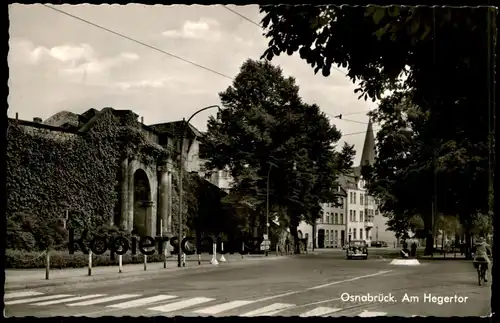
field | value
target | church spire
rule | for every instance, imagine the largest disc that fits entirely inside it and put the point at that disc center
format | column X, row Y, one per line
column 368, row 154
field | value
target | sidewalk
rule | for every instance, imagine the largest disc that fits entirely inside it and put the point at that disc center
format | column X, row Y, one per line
column 439, row 256
column 35, row 278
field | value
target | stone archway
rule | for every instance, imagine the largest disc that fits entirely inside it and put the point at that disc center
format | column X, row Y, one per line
column 142, row 204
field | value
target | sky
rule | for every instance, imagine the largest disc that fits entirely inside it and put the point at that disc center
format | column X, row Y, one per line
column 59, row 63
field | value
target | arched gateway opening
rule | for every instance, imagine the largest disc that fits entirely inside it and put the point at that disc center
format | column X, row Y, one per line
column 142, row 203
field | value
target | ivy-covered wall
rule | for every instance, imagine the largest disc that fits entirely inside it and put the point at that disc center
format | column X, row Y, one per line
column 51, row 172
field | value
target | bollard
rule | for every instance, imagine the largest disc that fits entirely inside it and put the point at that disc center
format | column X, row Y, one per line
column 214, row 256
column 222, row 258
column 90, row 262
column 145, row 262
column 47, row 264
column 242, row 249
column 183, row 259
column 199, row 259
column 165, row 257
column 120, row 264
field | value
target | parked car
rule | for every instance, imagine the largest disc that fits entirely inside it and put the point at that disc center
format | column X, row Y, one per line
column 357, row 249
column 376, row 244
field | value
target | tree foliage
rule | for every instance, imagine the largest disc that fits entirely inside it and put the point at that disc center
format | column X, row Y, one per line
column 414, row 41
column 266, row 132
column 50, row 173
column 438, row 62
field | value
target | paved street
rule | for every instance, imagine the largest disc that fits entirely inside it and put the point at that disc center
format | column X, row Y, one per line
column 305, row 285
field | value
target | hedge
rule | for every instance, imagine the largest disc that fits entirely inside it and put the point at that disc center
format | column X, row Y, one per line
column 62, row 259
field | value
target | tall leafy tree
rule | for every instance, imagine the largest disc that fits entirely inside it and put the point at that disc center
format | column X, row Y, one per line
column 266, row 133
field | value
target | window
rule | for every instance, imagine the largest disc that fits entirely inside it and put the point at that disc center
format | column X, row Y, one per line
column 327, row 217
column 350, row 197
column 360, row 216
column 331, row 236
column 354, row 197
column 327, row 236
column 336, row 218
column 336, row 236
column 341, row 202
column 354, row 233
column 354, row 216
column 376, row 211
column 341, row 218
column 350, row 215
column 361, row 199
column 361, row 233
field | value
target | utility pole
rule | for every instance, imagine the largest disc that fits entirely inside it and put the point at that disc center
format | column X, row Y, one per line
column 267, row 205
column 181, row 171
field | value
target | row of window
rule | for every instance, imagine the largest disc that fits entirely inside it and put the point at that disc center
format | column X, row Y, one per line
column 368, row 215
column 336, row 218
column 363, row 198
column 332, row 218
column 354, row 237
column 330, row 238
column 341, row 203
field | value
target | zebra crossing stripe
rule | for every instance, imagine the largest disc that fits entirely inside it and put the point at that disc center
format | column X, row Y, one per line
column 21, row 294
column 269, row 310
column 223, row 307
column 372, row 314
column 36, row 299
column 181, row 304
column 66, row 300
column 104, row 300
column 142, row 301
column 320, row 311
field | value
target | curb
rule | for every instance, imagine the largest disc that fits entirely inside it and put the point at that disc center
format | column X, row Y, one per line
column 137, row 274
column 87, row 279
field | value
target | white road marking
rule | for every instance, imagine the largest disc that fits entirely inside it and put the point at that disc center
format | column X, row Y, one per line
column 223, row 307
column 143, row 301
column 21, row 294
column 66, row 300
column 323, row 286
column 36, row 299
column 269, row 310
column 349, row 280
column 372, row 314
column 104, row 300
column 320, row 311
column 181, row 304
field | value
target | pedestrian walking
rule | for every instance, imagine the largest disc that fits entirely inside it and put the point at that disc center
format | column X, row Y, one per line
column 413, row 250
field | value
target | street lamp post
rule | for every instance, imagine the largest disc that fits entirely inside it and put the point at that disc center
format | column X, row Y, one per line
column 267, row 203
column 377, row 233
column 181, row 171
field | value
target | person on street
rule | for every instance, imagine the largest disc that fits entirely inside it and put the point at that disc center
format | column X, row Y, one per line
column 482, row 253
column 414, row 249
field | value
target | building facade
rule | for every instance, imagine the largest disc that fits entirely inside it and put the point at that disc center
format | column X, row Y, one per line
column 361, row 217
column 331, row 227
column 145, row 194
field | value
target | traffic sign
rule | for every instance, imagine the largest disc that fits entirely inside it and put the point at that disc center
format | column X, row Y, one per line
column 266, row 237
column 264, row 247
column 265, row 243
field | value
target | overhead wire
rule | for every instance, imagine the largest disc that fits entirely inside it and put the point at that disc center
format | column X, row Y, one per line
column 179, row 57
column 137, row 41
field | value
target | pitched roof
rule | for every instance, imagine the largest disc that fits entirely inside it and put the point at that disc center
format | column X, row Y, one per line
column 368, row 154
column 174, row 128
